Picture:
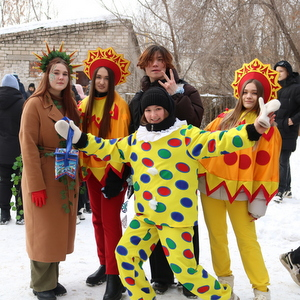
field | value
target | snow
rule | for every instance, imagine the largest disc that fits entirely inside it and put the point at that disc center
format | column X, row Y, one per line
column 278, row 232
column 52, row 23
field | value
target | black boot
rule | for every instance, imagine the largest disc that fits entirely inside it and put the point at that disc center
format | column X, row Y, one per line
column 114, row 288
column 97, row 277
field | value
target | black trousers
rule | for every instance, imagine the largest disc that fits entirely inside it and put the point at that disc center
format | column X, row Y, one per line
column 5, row 185
column 160, row 269
column 285, row 171
column 295, row 256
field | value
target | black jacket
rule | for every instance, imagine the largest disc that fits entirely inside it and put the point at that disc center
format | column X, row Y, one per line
column 289, row 97
column 11, row 105
column 188, row 106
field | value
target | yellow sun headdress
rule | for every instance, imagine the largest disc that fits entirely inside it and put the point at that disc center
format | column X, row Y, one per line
column 47, row 57
column 263, row 73
column 107, row 58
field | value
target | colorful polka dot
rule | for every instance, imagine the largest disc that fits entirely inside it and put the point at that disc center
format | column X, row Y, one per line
column 143, row 255
column 182, row 185
column 188, row 254
column 148, row 162
column 160, row 208
column 175, row 268
column 127, row 266
column 174, row 142
column 177, row 216
column 164, row 153
column 133, row 156
column 171, row 244
column 186, row 202
column 140, row 207
column 130, row 281
column 244, row 162
column 121, row 250
column 203, row 289
column 182, row 167
column 164, row 191
column 186, row 236
column 145, row 178
column 263, row 157
column 237, row 141
column 230, row 159
column 166, row 251
column 146, row 146
column 211, row 146
column 135, row 240
column 134, row 224
column 197, row 150
column 166, row 174
column 147, row 195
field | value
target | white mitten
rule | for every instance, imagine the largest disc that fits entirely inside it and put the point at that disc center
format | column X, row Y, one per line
column 62, row 128
column 266, row 109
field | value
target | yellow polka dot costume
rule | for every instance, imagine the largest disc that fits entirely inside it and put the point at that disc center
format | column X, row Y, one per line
column 165, row 167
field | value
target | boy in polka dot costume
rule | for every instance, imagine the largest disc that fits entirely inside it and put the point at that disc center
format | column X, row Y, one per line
column 163, row 154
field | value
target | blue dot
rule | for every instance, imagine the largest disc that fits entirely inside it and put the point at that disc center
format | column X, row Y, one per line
column 197, row 150
column 186, row 202
column 182, row 185
column 145, row 178
column 127, row 266
column 122, row 250
column 135, row 240
column 143, row 254
column 177, row 216
column 133, row 156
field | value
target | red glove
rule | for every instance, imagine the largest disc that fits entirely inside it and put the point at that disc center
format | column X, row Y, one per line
column 39, row 198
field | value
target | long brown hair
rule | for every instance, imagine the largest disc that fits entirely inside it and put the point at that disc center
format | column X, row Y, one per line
column 68, row 102
column 105, row 121
column 149, row 53
column 231, row 119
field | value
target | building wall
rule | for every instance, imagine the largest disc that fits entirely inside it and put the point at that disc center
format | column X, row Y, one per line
column 16, row 47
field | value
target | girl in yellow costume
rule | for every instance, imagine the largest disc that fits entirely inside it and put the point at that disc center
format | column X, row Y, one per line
column 164, row 154
column 105, row 114
column 242, row 183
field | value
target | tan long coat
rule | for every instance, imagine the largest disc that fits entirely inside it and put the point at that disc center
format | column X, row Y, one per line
column 50, row 230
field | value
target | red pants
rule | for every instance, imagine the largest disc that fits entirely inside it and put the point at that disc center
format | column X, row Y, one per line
column 107, row 223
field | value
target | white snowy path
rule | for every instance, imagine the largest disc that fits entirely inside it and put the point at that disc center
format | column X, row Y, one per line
column 278, row 232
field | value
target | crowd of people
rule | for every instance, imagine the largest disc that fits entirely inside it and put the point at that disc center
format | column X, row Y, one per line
column 154, row 148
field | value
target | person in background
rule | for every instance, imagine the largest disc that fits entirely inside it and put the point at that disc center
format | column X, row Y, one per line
column 50, row 205
column 80, row 90
column 21, row 86
column 157, row 62
column 165, row 190
column 288, row 119
column 31, row 90
column 242, row 183
column 11, row 104
column 105, row 114
column 291, row 261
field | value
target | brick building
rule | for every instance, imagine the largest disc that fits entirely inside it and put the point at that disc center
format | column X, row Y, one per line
column 17, row 43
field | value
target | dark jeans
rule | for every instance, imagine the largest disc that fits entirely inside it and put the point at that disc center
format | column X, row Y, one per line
column 160, row 269
column 295, row 256
column 5, row 186
column 285, row 171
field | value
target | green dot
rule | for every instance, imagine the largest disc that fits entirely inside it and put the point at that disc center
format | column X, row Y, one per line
column 176, row 269
column 160, row 207
column 134, row 224
column 165, row 174
column 170, row 243
column 237, row 141
column 164, row 153
column 136, row 186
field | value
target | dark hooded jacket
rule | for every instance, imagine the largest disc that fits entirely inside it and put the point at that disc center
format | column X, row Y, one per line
column 11, row 104
column 188, row 106
column 289, row 97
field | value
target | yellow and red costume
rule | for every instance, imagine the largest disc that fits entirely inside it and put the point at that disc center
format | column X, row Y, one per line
column 106, row 211
column 241, row 181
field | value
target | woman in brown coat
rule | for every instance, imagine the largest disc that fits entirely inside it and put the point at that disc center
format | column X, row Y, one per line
column 50, row 205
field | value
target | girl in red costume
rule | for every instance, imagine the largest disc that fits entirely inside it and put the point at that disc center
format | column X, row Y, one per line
column 242, row 183
column 105, row 114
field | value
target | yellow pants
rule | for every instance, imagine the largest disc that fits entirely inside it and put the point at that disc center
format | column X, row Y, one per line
column 215, row 217
column 137, row 244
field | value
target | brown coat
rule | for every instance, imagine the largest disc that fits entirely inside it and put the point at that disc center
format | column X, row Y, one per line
column 50, row 230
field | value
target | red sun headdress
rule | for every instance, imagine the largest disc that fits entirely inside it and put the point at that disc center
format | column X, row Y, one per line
column 107, row 58
column 263, row 73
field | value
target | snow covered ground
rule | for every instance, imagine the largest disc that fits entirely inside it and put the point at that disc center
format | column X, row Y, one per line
column 278, row 232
